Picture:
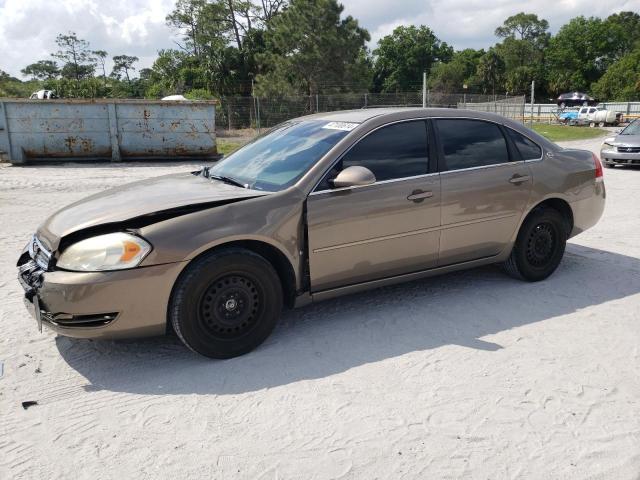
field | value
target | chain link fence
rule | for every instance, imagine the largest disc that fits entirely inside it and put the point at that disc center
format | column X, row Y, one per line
column 246, row 116
column 511, row 107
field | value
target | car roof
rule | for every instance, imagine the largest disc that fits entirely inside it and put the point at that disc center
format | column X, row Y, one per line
column 379, row 116
column 364, row 114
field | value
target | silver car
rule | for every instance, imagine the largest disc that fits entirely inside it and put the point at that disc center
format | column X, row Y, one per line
column 623, row 148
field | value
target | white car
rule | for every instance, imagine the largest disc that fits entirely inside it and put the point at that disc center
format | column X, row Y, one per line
column 43, row 95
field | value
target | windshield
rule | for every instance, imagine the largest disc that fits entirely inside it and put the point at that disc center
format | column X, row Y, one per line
column 632, row 129
column 279, row 158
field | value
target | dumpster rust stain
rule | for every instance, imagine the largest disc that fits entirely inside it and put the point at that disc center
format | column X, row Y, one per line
column 71, row 146
column 78, row 144
column 171, row 149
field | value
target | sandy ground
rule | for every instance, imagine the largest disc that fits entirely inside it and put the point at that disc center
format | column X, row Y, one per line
column 469, row 375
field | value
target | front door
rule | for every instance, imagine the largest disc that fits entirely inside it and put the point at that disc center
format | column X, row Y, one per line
column 485, row 189
column 388, row 228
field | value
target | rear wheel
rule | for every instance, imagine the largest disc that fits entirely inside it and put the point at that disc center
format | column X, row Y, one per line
column 226, row 303
column 539, row 246
column 601, row 124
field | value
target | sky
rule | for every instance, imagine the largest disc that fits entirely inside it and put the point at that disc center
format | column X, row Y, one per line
column 137, row 27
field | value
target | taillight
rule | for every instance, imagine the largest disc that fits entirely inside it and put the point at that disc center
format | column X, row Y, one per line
column 599, row 171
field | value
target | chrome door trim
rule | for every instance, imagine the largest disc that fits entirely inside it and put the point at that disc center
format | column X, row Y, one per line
column 483, row 167
column 382, row 182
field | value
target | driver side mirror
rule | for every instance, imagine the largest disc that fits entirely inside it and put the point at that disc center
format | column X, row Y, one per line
column 354, row 177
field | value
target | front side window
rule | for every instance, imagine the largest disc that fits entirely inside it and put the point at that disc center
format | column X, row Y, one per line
column 279, row 158
column 528, row 150
column 471, row 143
column 392, row 152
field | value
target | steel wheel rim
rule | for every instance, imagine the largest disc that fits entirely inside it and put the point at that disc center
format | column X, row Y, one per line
column 541, row 245
column 230, row 306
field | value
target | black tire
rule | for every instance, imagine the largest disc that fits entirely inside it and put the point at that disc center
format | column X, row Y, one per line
column 539, row 246
column 609, row 165
column 226, row 303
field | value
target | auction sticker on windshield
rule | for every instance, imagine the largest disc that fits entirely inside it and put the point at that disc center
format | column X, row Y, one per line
column 345, row 126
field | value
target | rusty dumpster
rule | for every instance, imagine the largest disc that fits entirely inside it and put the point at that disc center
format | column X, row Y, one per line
column 81, row 130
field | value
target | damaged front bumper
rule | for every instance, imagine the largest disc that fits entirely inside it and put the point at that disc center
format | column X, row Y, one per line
column 116, row 304
column 29, row 276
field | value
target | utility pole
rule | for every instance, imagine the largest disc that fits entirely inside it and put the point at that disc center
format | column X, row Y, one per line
column 533, row 87
column 256, row 110
column 424, row 89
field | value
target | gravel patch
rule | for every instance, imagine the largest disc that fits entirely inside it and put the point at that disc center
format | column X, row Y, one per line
column 467, row 375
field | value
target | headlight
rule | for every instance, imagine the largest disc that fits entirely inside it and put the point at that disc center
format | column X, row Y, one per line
column 608, row 142
column 114, row 251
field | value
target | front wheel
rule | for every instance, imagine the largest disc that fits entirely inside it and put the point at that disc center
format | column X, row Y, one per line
column 226, row 303
column 539, row 246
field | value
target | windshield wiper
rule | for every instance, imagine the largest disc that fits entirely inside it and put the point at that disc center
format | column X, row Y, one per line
column 228, row 180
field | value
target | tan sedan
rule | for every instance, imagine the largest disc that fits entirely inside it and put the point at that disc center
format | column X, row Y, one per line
column 317, row 207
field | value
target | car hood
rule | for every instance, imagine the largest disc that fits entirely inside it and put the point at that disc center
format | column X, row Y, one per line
column 145, row 199
column 627, row 140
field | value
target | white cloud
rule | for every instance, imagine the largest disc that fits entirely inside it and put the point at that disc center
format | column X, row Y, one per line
column 28, row 28
column 471, row 23
column 137, row 27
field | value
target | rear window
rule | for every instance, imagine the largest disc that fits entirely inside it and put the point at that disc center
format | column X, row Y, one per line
column 528, row 150
column 471, row 143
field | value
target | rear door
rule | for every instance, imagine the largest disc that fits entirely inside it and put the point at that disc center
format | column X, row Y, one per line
column 389, row 228
column 485, row 189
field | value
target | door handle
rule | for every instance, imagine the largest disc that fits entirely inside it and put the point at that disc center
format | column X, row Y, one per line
column 419, row 195
column 518, row 179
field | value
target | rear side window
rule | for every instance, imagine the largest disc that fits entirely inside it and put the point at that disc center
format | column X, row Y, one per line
column 392, row 152
column 528, row 150
column 471, row 143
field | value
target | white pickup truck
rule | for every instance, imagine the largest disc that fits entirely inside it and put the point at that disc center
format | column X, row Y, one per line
column 598, row 116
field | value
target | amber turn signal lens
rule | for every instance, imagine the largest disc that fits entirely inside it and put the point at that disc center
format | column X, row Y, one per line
column 130, row 250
